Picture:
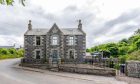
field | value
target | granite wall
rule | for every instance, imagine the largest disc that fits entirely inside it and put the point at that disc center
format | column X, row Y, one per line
column 92, row 71
column 133, row 68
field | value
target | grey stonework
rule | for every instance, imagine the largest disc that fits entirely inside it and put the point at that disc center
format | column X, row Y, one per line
column 133, row 68
column 47, row 49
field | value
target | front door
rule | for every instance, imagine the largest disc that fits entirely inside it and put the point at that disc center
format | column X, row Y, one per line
column 54, row 56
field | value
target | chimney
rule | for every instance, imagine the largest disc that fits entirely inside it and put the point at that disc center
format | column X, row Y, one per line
column 29, row 25
column 80, row 25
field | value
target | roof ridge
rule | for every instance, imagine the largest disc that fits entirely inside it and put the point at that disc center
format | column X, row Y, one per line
column 40, row 28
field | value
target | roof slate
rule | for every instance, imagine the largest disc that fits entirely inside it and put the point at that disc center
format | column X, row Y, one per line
column 37, row 32
column 66, row 31
column 71, row 31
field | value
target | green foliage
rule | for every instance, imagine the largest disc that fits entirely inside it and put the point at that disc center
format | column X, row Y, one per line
column 20, row 52
column 126, row 49
column 137, row 43
column 10, row 53
column 124, row 41
column 137, row 32
column 122, row 59
column 134, row 55
column 87, row 50
column 4, row 51
column 117, row 66
column 10, row 2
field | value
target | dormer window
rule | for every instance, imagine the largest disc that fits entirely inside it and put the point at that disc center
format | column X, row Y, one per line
column 54, row 40
column 71, row 40
column 38, row 40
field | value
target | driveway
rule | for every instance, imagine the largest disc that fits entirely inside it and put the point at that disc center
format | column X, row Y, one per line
column 11, row 75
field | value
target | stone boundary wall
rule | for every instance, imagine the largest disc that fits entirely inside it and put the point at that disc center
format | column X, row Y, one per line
column 93, row 71
column 133, row 68
column 74, row 69
column 38, row 66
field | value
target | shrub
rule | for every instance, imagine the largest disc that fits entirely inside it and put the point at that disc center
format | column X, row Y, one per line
column 4, row 51
column 134, row 55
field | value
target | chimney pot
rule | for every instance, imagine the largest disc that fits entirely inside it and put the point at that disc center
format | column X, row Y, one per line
column 30, row 25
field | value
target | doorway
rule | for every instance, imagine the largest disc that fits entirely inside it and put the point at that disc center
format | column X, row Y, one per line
column 54, row 56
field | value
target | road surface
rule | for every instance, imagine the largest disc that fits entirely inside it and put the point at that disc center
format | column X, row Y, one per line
column 11, row 75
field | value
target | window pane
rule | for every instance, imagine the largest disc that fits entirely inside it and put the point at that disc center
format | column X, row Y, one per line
column 71, row 54
column 37, row 54
column 37, row 40
column 54, row 40
column 71, row 40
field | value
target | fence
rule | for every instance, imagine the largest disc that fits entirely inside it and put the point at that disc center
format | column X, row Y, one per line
column 103, row 62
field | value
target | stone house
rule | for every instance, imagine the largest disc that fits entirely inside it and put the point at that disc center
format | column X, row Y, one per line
column 55, row 44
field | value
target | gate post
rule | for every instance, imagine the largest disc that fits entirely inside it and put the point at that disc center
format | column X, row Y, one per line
column 50, row 60
column 59, row 60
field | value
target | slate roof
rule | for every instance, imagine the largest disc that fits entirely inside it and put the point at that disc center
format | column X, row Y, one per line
column 66, row 31
column 36, row 32
column 71, row 31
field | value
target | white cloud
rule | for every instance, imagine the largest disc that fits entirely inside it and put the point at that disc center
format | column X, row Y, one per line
column 11, row 40
column 103, row 20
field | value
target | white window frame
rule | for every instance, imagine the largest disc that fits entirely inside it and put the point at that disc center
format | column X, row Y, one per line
column 54, row 41
column 71, row 40
column 69, row 53
column 36, row 40
column 40, row 53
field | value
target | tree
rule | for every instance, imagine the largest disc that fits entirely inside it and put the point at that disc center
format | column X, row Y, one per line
column 134, row 55
column 20, row 52
column 4, row 51
column 124, row 40
column 137, row 32
column 87, row 50
column 12, row 51
column 137, row 43
column 133, row 39
column 10, row 2
column 113, row 51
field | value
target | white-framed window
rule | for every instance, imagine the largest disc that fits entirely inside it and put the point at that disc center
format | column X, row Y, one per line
column 71, row 40
column 54, row 40
column 71, row 54
column 37, row 54
column 38, row 40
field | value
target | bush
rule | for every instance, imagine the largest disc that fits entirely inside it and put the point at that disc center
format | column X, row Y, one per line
column 117, row 66
column 134, row 55
column 122, row 59
column 10, row 53
column 4, row 51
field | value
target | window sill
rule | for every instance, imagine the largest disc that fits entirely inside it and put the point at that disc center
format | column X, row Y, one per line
column 38, row 45
column 54, row 45
column 71, row 45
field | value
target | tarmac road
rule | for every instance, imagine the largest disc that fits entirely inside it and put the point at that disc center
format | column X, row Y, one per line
column 11, row 75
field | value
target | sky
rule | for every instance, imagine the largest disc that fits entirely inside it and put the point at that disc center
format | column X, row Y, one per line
column 103, row 20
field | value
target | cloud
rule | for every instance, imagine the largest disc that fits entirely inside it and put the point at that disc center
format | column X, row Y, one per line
column 116, row 29
column 124, row 18
column 14, row 20
column 11, row 40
